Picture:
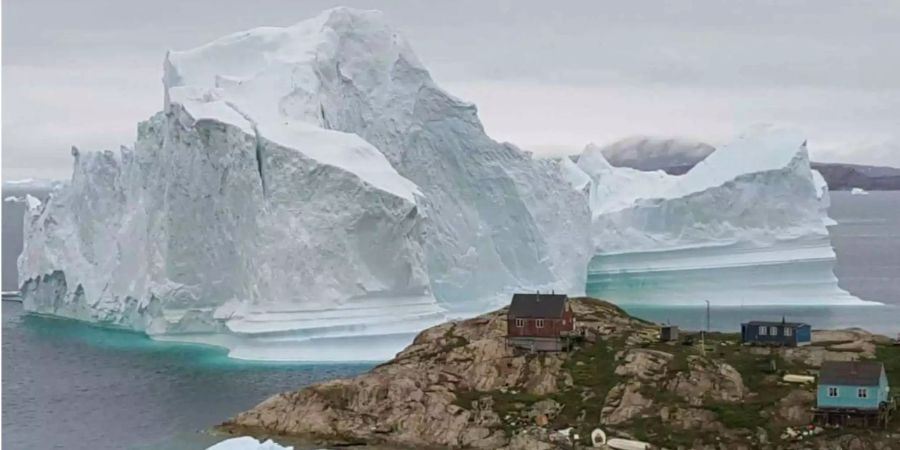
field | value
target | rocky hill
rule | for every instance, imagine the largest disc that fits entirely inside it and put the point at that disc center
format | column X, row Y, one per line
column 844, row 177
column 460, row 386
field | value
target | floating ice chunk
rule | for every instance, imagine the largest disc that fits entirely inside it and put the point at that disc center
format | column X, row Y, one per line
column 33, row 202
column 31, row 184
column 247, row 443
column 859, row 191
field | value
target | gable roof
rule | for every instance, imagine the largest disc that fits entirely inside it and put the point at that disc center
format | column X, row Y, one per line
column 538, row 305
column 754, row 323
column 851, row 373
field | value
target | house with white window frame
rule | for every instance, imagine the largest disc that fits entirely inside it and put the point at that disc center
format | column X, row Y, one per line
column 783, row 333
column 539, row 322
column 853, row 392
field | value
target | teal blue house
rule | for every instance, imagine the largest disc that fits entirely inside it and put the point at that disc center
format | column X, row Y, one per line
column 788, row 334
column 852, row 385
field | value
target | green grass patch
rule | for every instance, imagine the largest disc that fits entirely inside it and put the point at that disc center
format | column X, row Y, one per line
column 504, row 402
column 889, row 355
column 649, row 430
column 452, row 341
column 740, row 415
column 592, row 368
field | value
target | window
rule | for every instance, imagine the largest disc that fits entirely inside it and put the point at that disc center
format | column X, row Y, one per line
column 762, row 330
column 862, row 393
column 832, row 392
column 788, row 331
column 773, row 331
column 539, row 323
column 520, row 323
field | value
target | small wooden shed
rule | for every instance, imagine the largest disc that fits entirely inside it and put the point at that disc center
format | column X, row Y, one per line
column 668, row 333
column 539, row 322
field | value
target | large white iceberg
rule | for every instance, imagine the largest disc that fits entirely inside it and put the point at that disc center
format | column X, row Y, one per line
column 305, row 188
column 747, row 225
column 308, row 192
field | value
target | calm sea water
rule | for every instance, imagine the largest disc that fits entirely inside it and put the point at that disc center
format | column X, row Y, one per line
column 76, row 387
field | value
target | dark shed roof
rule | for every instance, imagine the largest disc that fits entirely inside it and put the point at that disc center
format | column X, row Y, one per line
column 852, row 373
column 538, row 305
column 755, row 323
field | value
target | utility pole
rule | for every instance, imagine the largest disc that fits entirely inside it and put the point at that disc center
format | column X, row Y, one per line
column 707, row 316
column 703, row 333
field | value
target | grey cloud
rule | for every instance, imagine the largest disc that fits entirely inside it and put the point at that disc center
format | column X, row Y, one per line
column 543, row 76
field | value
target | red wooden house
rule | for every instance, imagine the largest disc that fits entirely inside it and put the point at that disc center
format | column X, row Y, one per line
column 539, row 322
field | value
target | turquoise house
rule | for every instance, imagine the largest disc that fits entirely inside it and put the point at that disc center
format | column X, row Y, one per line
column 852, row 385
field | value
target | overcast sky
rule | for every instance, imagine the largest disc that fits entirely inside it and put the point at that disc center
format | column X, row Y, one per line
column 547, row 76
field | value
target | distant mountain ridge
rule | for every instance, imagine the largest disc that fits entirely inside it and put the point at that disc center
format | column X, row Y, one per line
column 843, row 177
column 677, row 156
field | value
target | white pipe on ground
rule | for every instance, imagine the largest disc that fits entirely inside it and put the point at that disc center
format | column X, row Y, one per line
column 799, row 378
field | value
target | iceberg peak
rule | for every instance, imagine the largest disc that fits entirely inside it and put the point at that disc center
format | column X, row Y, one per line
column 274, row 83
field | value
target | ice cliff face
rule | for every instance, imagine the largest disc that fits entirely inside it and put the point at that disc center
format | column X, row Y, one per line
column 746, row 225
column 303, row 187
column 497, row 219
column 178, row 237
